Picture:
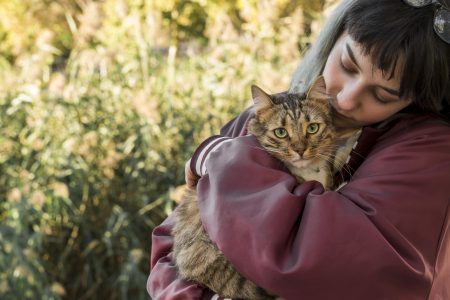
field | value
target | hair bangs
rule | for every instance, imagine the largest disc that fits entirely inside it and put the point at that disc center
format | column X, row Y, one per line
column 398, row 39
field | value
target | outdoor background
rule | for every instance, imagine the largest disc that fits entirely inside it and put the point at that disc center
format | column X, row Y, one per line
column 101, row 104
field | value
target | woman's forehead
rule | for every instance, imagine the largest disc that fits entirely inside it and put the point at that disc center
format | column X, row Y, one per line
column 369, row 61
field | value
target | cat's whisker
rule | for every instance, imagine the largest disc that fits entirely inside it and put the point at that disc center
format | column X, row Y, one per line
column 272, row 151
column 332, row 147
column 259, row 148
column 358, row 154
column 268, row 149
column 346, row 169
column 330, row 154
column 326, row 158
column 342, row 178
column 328, row 150
column 320, row 148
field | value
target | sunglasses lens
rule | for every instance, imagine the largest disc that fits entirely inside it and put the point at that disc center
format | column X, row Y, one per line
column 442, row 24
column 418, row 3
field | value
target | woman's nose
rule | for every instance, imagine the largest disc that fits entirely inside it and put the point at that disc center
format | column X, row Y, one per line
column 349, row 97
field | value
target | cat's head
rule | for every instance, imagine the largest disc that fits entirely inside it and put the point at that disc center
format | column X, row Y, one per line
column 295, row 128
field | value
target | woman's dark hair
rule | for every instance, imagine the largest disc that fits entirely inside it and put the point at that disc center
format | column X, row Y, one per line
column 389, row 29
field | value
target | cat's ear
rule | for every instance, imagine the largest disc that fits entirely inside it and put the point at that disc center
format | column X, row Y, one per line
column 318, row 89
column 260, row 98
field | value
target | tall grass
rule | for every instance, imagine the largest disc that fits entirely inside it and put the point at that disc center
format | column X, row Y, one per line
column 101, row 103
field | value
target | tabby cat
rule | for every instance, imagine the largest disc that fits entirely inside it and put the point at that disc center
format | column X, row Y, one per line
column 297, row 129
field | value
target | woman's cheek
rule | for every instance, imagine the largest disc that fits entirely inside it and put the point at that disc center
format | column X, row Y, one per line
column 331, row 77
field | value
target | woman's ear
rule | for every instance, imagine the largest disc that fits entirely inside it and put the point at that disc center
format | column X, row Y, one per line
column 260, row 98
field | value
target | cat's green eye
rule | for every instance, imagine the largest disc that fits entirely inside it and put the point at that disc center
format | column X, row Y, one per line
column 280, row 133
column 312, row 128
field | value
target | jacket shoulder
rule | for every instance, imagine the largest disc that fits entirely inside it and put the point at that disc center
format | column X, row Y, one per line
column 420, row 125
column 421, row 135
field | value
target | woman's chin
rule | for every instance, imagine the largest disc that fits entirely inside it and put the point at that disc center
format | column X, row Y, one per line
column 342, row 121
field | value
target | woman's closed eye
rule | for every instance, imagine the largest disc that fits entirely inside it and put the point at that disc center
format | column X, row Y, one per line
column 345, row 67
column 380, row 99
column 384, row 97
column 380, row 96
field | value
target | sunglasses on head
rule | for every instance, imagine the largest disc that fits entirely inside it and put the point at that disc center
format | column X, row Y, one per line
column 441, row 17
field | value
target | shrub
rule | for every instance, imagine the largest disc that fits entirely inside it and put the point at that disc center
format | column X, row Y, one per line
column 98, row 113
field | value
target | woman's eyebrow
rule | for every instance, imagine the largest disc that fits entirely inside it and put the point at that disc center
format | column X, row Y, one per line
column 352, row 55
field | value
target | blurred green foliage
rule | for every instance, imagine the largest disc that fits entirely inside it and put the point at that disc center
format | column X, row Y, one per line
column 101, row 103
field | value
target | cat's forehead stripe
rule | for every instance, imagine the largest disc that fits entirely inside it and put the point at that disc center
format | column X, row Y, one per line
column 288, row 111
column 283, row 121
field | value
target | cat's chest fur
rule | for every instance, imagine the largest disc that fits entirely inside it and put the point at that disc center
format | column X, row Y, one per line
column 318, row 171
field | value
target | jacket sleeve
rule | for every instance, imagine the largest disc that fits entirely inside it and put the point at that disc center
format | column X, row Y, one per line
column 375, row 238
column 163, row 282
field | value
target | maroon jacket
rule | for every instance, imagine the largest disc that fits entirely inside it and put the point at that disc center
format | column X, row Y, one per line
column 383, row 235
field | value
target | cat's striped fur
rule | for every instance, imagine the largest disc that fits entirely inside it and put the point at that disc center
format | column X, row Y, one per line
column 198, row 259
column 309, row 156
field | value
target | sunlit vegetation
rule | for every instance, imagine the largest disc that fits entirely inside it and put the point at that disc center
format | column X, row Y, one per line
column 101, row 104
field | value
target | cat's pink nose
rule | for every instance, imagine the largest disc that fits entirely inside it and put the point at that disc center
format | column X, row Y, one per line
column 300, row 150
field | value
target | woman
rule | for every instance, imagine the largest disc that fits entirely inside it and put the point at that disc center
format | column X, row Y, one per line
column 385, row 233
